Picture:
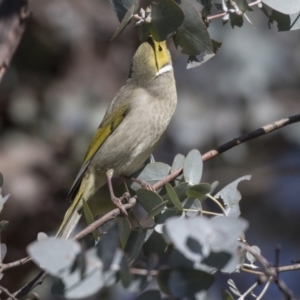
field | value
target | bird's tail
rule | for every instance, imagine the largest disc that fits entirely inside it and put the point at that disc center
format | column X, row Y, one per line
column 72, row 216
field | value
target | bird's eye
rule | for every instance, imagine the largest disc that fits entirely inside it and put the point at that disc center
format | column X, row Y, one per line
column 160, row 48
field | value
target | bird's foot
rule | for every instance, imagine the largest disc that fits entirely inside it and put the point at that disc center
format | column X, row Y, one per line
column 118, row 202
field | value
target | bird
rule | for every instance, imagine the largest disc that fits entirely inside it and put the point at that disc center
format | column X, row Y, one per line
column 131, row 128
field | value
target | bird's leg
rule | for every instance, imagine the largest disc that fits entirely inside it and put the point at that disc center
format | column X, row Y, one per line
column 116, row 201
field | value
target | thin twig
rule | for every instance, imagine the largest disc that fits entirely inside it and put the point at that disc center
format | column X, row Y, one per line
column 7, row 292
column 224, row 13
column 143, row 272
column 217, row 202
column 259, row 297
column 14, row 264
column 250, row 136
column 108, row 216
column 251, row 288
column 270, row 271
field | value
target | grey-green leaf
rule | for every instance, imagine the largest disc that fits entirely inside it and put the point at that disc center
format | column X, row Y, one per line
column 231, row 197
column 251, row 257
column 148, row 199
column 173, row 196
column 151, row 174
column 198, row 191
column 149, row 295
column 226, row 295
column 3, row 251
column 124, row 229
column 135, row 243
column 54, row 255
column 285, row 22
column 156, row 210
column 193, row 207
column 3, row 225
column 192, row 36
column 193, row 167
column 155, row 244
column 178, row 163
column 286, row 7
column 121, row 7
column 166, row 17
column 127, row 18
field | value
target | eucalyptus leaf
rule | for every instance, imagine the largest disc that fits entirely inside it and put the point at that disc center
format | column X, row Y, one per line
column 184, row 282
column 217, row 235
column 233, row 287
column 285, row 22
column 173, row 196
column 250, row 256
column 3, row 251
column 89, row 218
column 286, row 7
column 3, row 225
column 198, row 191
column 149, row 295
column 151, row 174
column 193, row 167
column 54, row 255
column 124, row 229
column 194, row 61
column 127, row 18
column 156, row 210
column 178, row 260
column 135, row 243
column 226, row 295
column 178, row 163
column 243, row 5
column 148, row 199
column 166, row 17
column 121, row 7
column 207, row 6
column 231, row 197
column 74, row 286
column 217, row 260
column 194, row 205
column 125, row 272
column 155, row 244
column 192, row 36
column 3, row 199
column 107, row 246
column 42, row 236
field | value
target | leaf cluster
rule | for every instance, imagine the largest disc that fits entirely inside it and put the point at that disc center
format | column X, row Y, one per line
column 187, row 21
column 193, row 247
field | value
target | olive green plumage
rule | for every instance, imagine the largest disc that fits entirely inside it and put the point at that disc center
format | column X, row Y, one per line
column 130, row 129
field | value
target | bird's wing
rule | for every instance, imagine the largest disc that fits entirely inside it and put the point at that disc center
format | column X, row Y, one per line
column 110, row 122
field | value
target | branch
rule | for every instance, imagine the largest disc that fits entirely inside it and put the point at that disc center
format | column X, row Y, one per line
column 7, row 292
column 250, row 136
column 225, row 13
column 270, row 271
column 20, row 262
column 115, row 212
column 13, row 17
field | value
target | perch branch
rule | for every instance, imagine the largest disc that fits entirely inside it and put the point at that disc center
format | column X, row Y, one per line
column 250, row 136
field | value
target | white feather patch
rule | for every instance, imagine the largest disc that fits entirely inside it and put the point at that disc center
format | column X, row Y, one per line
column 164, row 69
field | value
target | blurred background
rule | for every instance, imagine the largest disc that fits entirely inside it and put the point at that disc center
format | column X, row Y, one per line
column 66, row 71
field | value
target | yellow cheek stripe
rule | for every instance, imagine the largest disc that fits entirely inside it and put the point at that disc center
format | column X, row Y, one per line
column 162, row 55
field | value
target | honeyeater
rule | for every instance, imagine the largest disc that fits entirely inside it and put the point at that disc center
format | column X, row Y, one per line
column 133, row 124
